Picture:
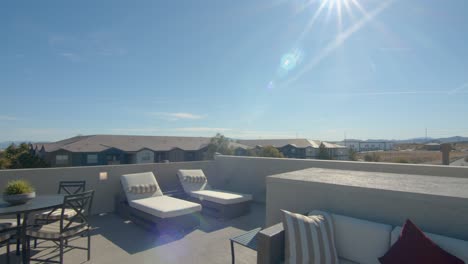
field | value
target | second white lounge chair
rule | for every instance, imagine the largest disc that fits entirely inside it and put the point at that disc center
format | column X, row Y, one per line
column 221, row 204
column 146, row 205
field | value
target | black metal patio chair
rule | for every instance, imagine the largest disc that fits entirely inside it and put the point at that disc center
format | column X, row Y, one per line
column 66, row 228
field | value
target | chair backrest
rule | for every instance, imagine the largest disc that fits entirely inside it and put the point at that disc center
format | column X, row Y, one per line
column 81, row 204
column 140, row 185
column 193, row 180
column 71, row 187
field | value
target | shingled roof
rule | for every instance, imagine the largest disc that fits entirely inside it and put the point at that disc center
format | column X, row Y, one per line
column 98, row 143
column 278, row 143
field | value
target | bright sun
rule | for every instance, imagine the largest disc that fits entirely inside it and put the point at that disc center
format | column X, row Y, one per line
column 340, row 8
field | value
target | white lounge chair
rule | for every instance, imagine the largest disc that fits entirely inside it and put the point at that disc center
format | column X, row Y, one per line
column 221, row 204
column 146, row 205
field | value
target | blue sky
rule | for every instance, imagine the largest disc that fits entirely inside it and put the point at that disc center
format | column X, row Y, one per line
column 248, row 69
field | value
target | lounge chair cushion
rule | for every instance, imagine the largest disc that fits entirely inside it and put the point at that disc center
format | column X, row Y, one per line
column 131, row 182
column 193, row 180
column 221, row 197
column 359, row 240
column 165, row 206
column 456, row 247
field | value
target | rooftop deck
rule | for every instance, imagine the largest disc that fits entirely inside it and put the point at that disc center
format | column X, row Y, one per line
column 116, row 240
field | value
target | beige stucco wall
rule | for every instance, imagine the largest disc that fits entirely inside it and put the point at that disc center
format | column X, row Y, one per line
column 437, row 214
column 46, row 180
column 248, row 174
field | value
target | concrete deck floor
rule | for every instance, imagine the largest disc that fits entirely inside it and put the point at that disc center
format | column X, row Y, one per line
column 115, row 241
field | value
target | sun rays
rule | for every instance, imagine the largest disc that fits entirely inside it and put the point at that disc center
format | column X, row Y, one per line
column 347, row 24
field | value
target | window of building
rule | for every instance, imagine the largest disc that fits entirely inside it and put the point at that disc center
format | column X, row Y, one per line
column 61, row 159
column 92, row 158
column 146, row 156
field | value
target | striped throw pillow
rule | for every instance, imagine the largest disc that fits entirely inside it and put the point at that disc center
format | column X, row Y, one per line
column 309, row 239
column 143, row 188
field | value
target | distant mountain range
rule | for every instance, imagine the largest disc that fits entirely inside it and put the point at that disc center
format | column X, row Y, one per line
column 439, row 140
column 5, row 144
column 422, row 140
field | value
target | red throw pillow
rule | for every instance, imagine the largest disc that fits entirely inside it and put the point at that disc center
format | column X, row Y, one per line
column 414, row 246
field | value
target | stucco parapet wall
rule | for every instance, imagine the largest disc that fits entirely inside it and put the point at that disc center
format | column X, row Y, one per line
column 419, row 169
column 409, row 183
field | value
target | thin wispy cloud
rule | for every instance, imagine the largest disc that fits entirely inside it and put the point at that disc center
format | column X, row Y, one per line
column 459, row 89
column 202, row 129
column 71, row 56
column 7, row 118
column 176, row 116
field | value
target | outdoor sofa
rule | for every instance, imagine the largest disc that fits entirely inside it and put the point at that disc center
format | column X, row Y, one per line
column 216, row 203
column 145, row 204
column 356, row 240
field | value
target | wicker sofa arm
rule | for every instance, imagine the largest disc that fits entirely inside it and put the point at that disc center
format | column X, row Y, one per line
column 270, row 243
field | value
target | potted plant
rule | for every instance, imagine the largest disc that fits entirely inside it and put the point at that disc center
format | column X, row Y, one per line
column 18, row 192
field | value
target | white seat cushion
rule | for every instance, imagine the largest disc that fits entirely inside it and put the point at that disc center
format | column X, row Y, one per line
column 221, row 197
column 456, row 247
column 165, row 206
column 136, row 180
column 345, row 261
column 359, row 240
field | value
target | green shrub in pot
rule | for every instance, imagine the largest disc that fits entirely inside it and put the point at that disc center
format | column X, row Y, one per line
column 18, row 192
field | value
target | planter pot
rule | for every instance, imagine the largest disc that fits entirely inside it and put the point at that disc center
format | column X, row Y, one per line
column 17, row 199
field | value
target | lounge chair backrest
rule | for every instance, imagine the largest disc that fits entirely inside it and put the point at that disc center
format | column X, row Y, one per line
column 193, row 180
column 140, row 185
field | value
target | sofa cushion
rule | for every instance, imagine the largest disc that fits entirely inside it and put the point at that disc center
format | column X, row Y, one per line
column 309, row 239
column 345, row 261
column 165, row 206
column 359, row 240
column 413, row 246
column 456, row 247
column 138, row 179
column 221, row 197
column 193, row 180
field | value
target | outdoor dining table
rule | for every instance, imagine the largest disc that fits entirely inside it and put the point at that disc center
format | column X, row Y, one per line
column 41, row 202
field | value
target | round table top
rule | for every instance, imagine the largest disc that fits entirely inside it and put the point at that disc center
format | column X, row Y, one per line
column 41, row 202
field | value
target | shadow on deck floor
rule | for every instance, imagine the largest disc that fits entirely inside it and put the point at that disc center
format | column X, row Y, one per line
column 115, row 240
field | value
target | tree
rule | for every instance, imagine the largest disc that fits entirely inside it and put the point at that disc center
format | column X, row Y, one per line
column 323, row 153
column 268, row 151
column 219, row 144
column 19, row 157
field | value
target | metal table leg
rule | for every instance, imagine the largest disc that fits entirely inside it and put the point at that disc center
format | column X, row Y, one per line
column 232, row 252
column 18, row 234
column 24, row 241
